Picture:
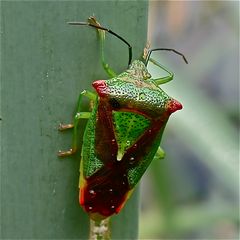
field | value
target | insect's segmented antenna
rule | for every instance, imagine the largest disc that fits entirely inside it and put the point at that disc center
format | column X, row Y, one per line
column 111, row 32
column 165, row 49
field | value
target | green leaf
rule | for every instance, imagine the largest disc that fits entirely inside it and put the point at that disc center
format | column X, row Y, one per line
column 45, row 64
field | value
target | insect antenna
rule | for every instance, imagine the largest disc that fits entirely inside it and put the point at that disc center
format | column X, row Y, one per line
column 111, row 32
column 164, row 49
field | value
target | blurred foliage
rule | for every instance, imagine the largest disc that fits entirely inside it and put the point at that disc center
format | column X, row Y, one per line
column 194, row 192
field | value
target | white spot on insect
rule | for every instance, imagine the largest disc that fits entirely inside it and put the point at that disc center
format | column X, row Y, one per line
column 92, row 192
column 110, row 190
column 131, row 159
column 90, row 208
column 112, row 207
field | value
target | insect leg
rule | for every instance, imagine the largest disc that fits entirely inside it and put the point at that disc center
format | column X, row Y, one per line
column 79, row 115
column 92, row 22
column 105, row 65
column 165, row 79
column 63, row 127
column 101, row 33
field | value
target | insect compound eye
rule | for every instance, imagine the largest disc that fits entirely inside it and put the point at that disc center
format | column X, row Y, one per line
column 114, row 103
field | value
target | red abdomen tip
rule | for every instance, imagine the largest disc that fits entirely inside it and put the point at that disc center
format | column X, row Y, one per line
column 174, row 105
column 100, row 86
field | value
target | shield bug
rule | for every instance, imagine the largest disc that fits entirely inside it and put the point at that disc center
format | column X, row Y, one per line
column 123, row 132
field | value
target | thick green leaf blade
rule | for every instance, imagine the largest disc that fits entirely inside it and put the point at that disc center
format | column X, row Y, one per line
column 45, row 65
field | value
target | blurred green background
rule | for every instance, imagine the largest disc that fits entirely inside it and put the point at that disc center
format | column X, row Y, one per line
column 194, row 192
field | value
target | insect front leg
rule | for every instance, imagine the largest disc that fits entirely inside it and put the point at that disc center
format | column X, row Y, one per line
column 162, row 80
column 92, row 22
column 79, row 115
column 111, row 73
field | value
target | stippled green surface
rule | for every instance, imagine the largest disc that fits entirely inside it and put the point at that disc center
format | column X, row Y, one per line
column 90, row 161
column 45, row 65
column 128, row 127
column 136, row 88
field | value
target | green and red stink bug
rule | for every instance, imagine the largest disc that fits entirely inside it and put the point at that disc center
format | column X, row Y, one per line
column 123, row 132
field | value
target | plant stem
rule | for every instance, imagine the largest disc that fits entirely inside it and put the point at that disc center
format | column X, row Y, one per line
column 99, row 230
